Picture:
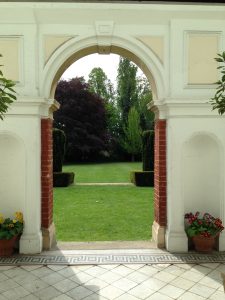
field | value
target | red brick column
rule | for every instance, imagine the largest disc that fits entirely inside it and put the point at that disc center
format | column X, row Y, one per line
column 160, row 173
column 46, row 174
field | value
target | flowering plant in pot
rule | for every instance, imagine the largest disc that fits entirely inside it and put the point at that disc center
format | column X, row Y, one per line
column 10, row 230
column 203, row 229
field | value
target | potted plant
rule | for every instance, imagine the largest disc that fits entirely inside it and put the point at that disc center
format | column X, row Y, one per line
column 203, row 229
column 10, row 230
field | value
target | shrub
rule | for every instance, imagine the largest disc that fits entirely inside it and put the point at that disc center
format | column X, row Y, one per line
column 63, row 179
column 59, row 140
column 7, row 93
column 82, row 116
column 218, row 101
column 142, row 178
column 148, row 150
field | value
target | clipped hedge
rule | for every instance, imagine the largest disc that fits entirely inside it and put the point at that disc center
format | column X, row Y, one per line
column 59, row 140
column 63, row 179
column 148, row 150
column 142, row 178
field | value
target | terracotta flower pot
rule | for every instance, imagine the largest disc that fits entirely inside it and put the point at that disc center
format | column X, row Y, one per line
column 203, row 244
column 6, row 246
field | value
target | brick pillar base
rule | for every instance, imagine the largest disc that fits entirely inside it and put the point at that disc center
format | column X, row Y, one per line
column 48, row 228
column 160, row 218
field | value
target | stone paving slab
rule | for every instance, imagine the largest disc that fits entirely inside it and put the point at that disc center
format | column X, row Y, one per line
column 113, row 282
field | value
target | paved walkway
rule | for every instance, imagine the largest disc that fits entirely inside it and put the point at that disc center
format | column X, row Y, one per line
column 158, row 281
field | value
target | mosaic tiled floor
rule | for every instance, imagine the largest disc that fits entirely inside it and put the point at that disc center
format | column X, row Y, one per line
column 112, row 257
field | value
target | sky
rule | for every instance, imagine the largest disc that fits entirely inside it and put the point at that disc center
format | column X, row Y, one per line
column 82, row 67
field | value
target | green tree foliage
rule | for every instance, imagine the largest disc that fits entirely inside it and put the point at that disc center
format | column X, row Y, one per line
column 134, row 91
column 132, row 142
column 100, row 84
column 82, row 117
column 144, row 99
column 7, row 93
column 127, row 95
column 218, row 101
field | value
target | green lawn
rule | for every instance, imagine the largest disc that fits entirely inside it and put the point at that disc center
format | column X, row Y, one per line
column 105, row 172
column 103, row 213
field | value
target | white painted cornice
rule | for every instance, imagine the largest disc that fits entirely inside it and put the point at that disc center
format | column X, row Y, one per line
column 183, row 108
column 65, row 12
column 27, row 106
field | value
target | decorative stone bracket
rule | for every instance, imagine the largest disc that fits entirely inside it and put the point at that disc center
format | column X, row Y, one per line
column 104, row 31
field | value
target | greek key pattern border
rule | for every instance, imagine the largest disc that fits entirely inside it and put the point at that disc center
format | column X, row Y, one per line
column 100, row 259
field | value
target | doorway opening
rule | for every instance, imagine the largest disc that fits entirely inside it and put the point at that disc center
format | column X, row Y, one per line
column 103, row 120
column 134, row 58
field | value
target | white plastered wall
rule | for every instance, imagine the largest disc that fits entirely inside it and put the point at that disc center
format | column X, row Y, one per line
column 191, row 125
column 158, row 39
column 20, row 171
column 194, row 170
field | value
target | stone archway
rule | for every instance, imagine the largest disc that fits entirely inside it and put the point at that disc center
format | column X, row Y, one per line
column 149, row 63
column 174, row 44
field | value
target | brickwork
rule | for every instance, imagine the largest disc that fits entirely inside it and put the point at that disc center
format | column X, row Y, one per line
column 46, row 173
column 160, row 173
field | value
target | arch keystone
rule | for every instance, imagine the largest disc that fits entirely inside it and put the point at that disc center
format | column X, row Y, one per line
column 104, row 28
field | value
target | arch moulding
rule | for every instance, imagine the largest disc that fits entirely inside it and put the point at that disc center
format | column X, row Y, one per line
column 79, row 47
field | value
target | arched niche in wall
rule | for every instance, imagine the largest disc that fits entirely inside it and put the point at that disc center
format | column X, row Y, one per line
column 201, row 178
column 12, row 174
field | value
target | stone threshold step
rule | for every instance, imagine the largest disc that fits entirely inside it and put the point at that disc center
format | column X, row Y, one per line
column 104, row 245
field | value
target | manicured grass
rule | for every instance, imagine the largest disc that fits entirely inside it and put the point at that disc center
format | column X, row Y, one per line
column 105, row 172
column 103, row 213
